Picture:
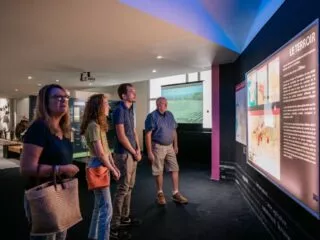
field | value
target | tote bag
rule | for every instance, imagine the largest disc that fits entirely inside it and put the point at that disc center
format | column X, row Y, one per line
column 54, row 206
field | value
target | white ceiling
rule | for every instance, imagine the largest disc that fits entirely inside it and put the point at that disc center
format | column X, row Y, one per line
column 59, row 39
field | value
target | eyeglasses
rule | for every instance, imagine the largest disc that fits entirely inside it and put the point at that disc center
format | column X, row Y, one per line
column 60, row 98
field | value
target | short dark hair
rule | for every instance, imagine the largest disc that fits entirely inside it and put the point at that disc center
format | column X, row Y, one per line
column 123, row 88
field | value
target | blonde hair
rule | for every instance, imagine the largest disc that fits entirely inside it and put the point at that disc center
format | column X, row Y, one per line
column 42, row 111
column 94, row 111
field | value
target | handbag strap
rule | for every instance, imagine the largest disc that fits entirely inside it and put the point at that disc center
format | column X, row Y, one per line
column 54, row 174
column 55, row 177
column 38, row 178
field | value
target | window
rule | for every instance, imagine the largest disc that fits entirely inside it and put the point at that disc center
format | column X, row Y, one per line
column 152, row 105
column 205, row 76
column 155, row 84
column 193, row 77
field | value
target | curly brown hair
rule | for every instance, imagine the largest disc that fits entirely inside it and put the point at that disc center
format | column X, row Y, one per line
column 42, row 110
column 94, row 111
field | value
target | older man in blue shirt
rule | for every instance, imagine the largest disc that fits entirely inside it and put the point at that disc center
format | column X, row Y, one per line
column 162, row 147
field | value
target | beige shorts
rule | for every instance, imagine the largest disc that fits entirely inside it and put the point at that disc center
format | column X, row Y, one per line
column 164, row 157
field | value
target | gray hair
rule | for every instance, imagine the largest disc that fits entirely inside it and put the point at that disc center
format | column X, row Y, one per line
column 159, row 99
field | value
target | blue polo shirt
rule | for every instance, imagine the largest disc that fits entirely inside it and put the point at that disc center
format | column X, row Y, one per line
column 125, row 116
column 162, row 127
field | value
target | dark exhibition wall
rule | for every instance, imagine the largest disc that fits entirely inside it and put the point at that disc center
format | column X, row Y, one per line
column 284, row 214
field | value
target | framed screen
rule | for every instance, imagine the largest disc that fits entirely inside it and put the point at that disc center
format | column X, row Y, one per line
column 283, row 118
column 185, row 101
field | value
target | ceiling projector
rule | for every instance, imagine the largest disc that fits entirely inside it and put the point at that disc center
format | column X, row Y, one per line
column 86, row 76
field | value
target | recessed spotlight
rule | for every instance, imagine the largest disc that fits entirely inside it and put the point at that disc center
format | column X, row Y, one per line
column 16, row 89
column 159, row 57
column 39, row 84
column 57, row 80
column 154, row 70
column 29, row 77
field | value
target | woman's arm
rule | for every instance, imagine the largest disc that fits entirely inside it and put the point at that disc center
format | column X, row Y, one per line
column 113, row 164
column 123, row 139
column 105, row 159
column 29, row 163
column 111, row 160
column 30, row 159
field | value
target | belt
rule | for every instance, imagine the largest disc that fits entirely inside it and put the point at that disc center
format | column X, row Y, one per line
column 161, row 143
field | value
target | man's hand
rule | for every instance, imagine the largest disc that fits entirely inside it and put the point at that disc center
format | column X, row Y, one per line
column 116, row 174
column 175, row 148
column 151, row 157
column 118, row 171
column 137, row 156
column 138, row 150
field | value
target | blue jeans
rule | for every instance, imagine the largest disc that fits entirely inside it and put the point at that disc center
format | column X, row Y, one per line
column 56, row 236
column 102, row 211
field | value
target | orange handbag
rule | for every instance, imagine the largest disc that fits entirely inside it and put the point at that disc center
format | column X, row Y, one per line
column 97, row 177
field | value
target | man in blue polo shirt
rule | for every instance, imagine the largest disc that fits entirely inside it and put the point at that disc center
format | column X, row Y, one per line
column 127, row 154
column 162, row 147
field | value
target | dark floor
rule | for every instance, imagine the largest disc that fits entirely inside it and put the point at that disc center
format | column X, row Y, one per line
column 216, row 210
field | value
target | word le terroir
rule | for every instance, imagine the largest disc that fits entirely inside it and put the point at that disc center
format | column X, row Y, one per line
column 305, row 42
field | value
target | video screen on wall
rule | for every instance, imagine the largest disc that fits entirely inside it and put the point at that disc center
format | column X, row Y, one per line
column 241, row 113
column 185, row 101
column 283, row 118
